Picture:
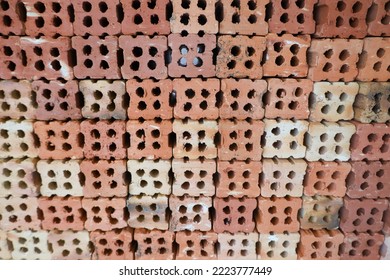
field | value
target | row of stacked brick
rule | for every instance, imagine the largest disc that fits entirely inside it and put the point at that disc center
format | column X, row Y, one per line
column 323, row 18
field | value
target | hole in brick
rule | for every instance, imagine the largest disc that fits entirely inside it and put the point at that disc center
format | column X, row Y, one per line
column 152, row 64
column 226, row 210
column 197, row 61
column 252, row 19
column 202, row 20
column 235, row 18
column 279, row 60
column 353, row 22
column 344, row 68
column 138, row 19
column 184, row 19
column 284, row 18
column 277, row 144
column 249, row 64
column 294, row 61
column 341, row 6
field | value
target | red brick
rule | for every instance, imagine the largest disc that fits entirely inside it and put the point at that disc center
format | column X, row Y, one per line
column 196, row 98
column 11, row 22
column 361, row 246
column 237, row 246
column 19, row 213
column 278, row 246
column 154, row 244
column 320, row 244
column 70, row 245
column 112, row 245
column 29, row 245
column 378, row 18
column 196, row 245
column 11, row 58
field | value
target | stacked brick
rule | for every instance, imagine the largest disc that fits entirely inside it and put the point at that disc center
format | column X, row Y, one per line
column 203, row 129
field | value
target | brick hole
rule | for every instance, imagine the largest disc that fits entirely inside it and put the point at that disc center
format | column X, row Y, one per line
column 339, row 21
column 284, row 18
column 279, row 60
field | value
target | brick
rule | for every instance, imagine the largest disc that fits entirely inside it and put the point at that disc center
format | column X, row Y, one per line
column 192, row 55
column 50, row 17
column 326, row 178
column 149, row 212
column 361, row 246
column 329, row 141
column 196, row 98
column 288, row 98
column 29, row 245
column 246, row 17
column 57, row 100
column 362, row 215
column 19, row 213
column 378, row 18
column 59, row 140
column 105, row 213
column 333, row 101
column 293, row 17
column 343, row 19
column 93, row 17
column 195, row 139
column 149, row 139
column 104, row 99
column 386, row 221
column 104, row 138
column 320, row 212
column 149, row 177
column 334, row 60
column 96, row 58
column 16, row 100
column 154, row 244
column 193, row 177
column 194, row 17
column 278, row 246
column 11, row 58
column 369, row 180
column 196, row 245
column 282, row 177
column 237, row 246
column 62, row 213
column 320, row 244
column 18, row 178
column 146, row 17
column 17, row 139
column 112, row 245
column 104, row 178
column 60, row 177
column 371, row 142
column 11, row 22
column 372, row 104
column 234, row 214
column 284, row 138
column 149, row 99
column 5, row 253
column 240, row 56
column 278, row 214
column 385, row 251
column 286, row 55
column 374, row 62
column 238, row 178
column 242, row 99
column 70, row 245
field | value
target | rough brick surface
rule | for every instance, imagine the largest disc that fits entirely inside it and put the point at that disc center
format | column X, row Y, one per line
column 278, row 246
column 196, row 245
column 10, row 23
column 19, row 213
column 11, row 58
column 112, row 245
column 385, row 249
column 70, row 245
column 29, row 245
column 5, row 253
column 320, row 244
column 154, row 244
column 237, row 246
column 361, row 246
column 378, row 18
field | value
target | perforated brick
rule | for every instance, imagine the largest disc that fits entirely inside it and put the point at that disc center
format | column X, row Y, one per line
column 62, row 213
column 5, row 253
column 196, row 245
column 112, row 245
column 196, row 98
column 70, row 245
column 329, row 141
column 195, row 139
column 378, row 18
column 245, row 17
column 362, row 215
column 49, row 17
column 149, row 99
column 237, row 246
column 369, row 179
column 59, row 177
column 192, row 55
column 104, row 99
column 11, row 57
column 148, row 212
column 59, row 140
column 372, row 104
column 278, row 246
column 29, row 245
column 326, row 178
column 96, row 58
column 234, row 214
column 320, row 244
column 154, row 244
column 242, row 99
column 320, row 212
column 10, row 23
column 95, row 17
column 371, row 142
column 240, row 56
column 17, row 139
column 238, row 178
column 193, row 177
column 19, row 213
column 361, row 246
column 288, row 98
column 149, row 139
column 334, row 59
column 282, row 177
column 57, row 100
column 104, row 178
